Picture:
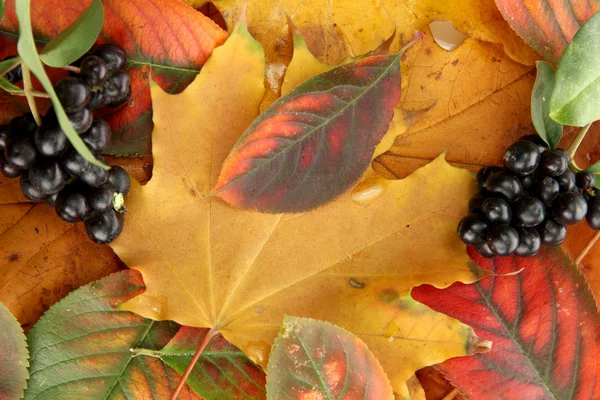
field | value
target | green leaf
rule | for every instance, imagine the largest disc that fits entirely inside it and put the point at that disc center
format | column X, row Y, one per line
column 577, row 90
column 13, row 357
column 77, row 39
column 9, row 87
column 318, row 360
column 595, row 169
column 8, row 64
column 2, row 5
column 29, row 55
column 548, row 129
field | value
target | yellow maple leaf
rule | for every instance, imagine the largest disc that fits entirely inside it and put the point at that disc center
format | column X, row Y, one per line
column 351, row 263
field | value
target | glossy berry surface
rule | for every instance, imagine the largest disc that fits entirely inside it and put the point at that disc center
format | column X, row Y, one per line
column 23, row 125
column 81, row 120
column 117, row 85
column 585, row 180
column 94, row 176
column 48, row 177
column 7, row 169
column 94, row 71
column 552, row 232
column 522, row 157
column 569, row 208
column 100, row 198
column 21, row 152
column 496, row 210
column 50, row 142
column 475, row 203
column 72, row 206
column 113, row 55
column 503, row 240
column 119, row 179
column 29, row 191
column 505, row 184
column 530, row 242
column 97, row 137
column 97, row 100
column 74, row 163
column 72, row 93
column 485, row 251
column 104, row 227
column 566, row 181
column 5, row 134
column 471, row 229
column 547, row 190
column 484, row 173
column 554, row 162
column 528, row 212
column 593, row 214
column 539, row 142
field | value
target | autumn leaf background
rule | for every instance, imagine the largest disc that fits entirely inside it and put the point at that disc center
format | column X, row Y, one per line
column 469, row 104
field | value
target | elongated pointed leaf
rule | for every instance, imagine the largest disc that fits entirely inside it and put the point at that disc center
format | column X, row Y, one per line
column 577, row 90
column 595, row 169
column 8, row 64
column 9, row 87
column 313, row 144
column 13, row 357
column 77, row 39
column 548, row 129
column 543, row 322
column 317, row 360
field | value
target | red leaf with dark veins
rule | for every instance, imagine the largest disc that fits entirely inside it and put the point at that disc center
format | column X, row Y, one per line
column 543, row 323
column 314, row 143
column 165, row 40
column 548, row 26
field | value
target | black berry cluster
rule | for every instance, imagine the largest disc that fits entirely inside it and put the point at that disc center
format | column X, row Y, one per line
column 52, row 171
column 529, row 202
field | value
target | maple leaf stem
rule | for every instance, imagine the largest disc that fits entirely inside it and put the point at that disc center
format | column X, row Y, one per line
column 27, row 88
column 451, row 395
column 209, row 336
column 587, row 248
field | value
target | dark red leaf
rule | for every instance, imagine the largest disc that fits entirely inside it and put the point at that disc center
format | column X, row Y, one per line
column 314, row 143
column 543, row 323
column 165, row 40
column 548, row 26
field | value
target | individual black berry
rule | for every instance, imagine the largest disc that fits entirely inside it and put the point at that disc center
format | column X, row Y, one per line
column 117, row 101
column 496, row 210
column 72, row 206
column 522, row 157
column 529, row 242
column 7, row 169
column 21, row 152
column 566, row 181
column 484, row 173
column 112, row 54
column 47, row 176
column 471, row 229
column 554, row 162
column 552, row 232
column 72, row 93
column 541, row 145
column 97, row 100
column 29, row 191
column 24, row 125
column 50, row 141
column 569, row 208
column 100, row 198
column 485, row 251
column 93, row 71
column 81, row 120
column 475, row 202
column 98, row 136
column 593, row 214
column 547, row 190
column 94, row 176
column 119, row 179
column 74, row 163
column 116, row 86
column 104, row 227
column 502, row 239
column 528, row 212
column 5, row 134
column 585, row 180
column 505, row 184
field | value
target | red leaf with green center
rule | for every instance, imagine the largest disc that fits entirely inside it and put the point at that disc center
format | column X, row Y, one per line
column 13, row 357
column 543, row 323
column 317, row 360
column 165, row 40
column 314, row 143
column 222, row 372
column 81, row 348
column 548, row 26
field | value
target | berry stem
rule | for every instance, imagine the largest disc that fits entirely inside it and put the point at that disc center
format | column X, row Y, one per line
column 71, row 68
column 209, row 336
column 34, row 93
column 27, row 88
column 587, row 248
column 577, row 141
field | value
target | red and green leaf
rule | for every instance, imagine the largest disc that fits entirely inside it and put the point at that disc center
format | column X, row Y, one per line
column 222, row 372
column 314, row 143
column 548, row 26
column 317, row 360
column 13, row 357
column 165, row 40
column 543, row 323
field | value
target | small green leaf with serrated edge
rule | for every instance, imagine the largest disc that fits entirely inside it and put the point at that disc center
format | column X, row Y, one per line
column 313, row 359
column 577, row 89
column 29, row 55
column 77, row 39
column 595, row 169
column 548, row 129
column 13, row 357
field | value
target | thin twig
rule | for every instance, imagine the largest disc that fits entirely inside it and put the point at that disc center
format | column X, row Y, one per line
column 34, row 93
column 27, row 88
column 451, row 395
column 72, row 68
column 577, row 141
column 209, row 335
column 587, row 248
